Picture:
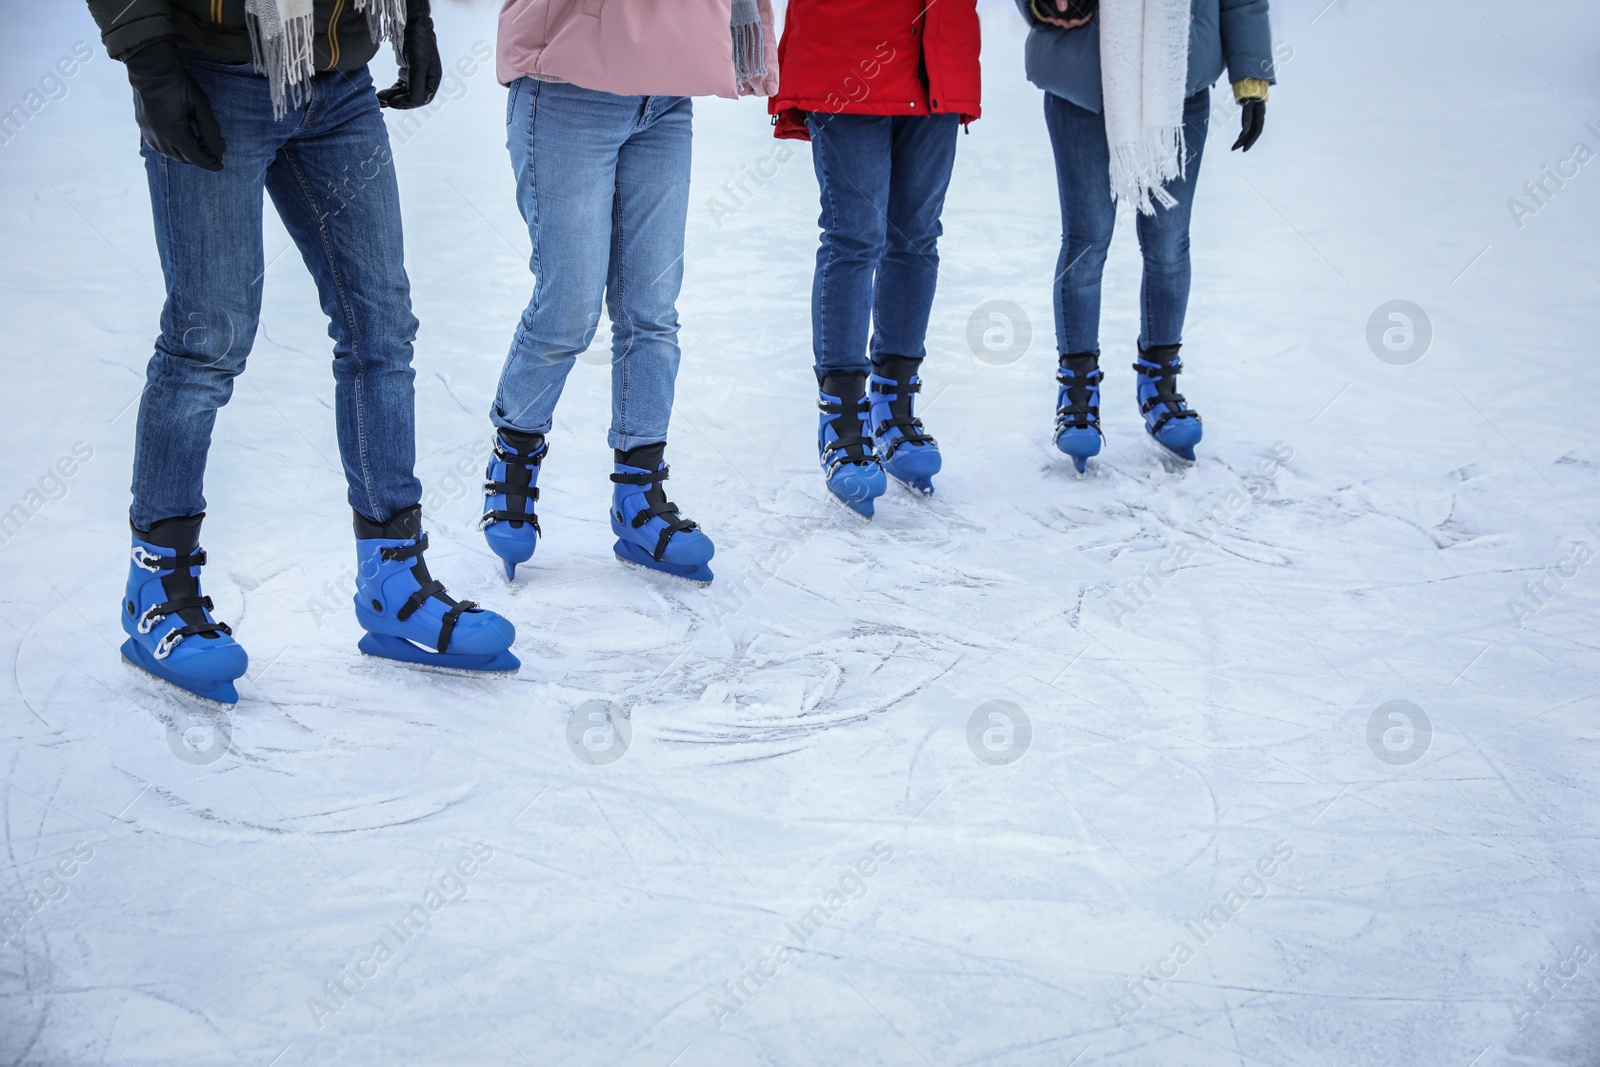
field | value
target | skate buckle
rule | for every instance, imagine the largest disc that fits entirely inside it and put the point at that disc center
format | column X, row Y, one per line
column 486, row 520
column 149, row 561
column 148, row 620
column 169, row 642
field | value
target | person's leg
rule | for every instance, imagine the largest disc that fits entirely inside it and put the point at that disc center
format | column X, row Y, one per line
column 1164, row 298
column 563, row 141
column 646, row 272
column 853, row 161
column 852, row 155
column 1164, row 241
column 334, row 186
column 649, row 216
column 1088, row 217
column 208, row 235
column 923, row 153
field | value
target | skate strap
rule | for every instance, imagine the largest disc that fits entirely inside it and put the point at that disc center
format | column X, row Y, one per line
column 491, row 487
column 447, row 625
column 671, row 521
column 1162, row 378
column 519, row 505
column 1094, row 377
column 1081, row 410
column 515, row 518
column 909, row 426
column 177, row 606
column 414, row 549
column 517, row 486
column 533, row 459
column 847, row 447
column 643, row 477
column 426, row 591
column 453, row 608
column 911, row 433
column 172, row 637
column 657, row 506
column 156, row 564
column 174, row 606
column 428, row 588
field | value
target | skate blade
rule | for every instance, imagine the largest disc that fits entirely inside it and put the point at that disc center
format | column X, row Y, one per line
column 1080, row 461
column 1178, row 460
column 225, row 699
column 845, row 505
column 697, row 573
column 914, row 486
column 398, row 650
column 514, row 547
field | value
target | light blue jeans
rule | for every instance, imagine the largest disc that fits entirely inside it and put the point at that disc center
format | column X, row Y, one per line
column 603, row 182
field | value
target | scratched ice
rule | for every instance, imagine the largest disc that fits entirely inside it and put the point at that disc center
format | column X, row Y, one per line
column 1310, row 764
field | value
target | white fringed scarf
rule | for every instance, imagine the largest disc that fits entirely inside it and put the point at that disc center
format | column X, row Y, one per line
column 1144, row 68
column 281, row 34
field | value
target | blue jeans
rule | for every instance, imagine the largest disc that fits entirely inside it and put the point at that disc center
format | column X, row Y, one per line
column 327, row 167
column 1088, row 216
column 603, row 182
column 883, row 180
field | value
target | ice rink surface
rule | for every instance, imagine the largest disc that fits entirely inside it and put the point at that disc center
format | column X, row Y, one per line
column 1320, row 710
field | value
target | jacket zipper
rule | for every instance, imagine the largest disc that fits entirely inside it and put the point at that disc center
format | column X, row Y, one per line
column 333, row 35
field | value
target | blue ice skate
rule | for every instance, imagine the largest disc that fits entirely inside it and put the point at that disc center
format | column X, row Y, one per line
column 650, row 532
column 510, row 488
column 844, row 442
column 408, row 615
column 171, row 633
column 1167, row 418
column 1078, row 407
column 906, row 452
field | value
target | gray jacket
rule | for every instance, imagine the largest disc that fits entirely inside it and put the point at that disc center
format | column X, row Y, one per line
column 1231, row 34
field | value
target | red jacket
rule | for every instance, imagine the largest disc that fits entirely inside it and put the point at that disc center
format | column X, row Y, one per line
column 877, row 57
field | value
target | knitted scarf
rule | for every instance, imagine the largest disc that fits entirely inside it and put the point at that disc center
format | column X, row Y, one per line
column 749, row 49
column 281, row 34
column 1144, row 68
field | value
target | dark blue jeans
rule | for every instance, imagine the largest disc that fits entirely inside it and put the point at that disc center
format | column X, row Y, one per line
column 883, row 180
column 327, row 167
column 1088, row 216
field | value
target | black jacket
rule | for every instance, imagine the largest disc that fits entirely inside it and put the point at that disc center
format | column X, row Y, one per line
column 217, row 28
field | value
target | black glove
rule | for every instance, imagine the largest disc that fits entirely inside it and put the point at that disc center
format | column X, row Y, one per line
column 172, row 111
column 420, row 68
column 1252, row 117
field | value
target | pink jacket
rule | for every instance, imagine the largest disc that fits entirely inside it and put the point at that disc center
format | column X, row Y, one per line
column 631, row 47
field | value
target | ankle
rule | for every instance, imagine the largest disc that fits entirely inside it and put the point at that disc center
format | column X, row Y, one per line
column 403, row 525
column 1080, row 363
column 524, row 444
column 643, row 457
